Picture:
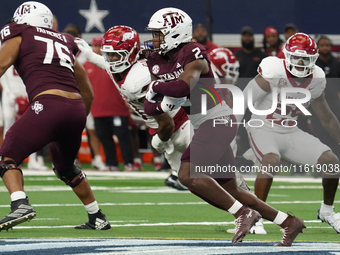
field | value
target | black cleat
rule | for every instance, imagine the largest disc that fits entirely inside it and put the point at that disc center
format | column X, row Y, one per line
column 97, row 221
column 173, row 182
column 21, row 211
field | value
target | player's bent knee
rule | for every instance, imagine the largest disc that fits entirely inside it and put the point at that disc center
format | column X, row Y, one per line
column 270, row 175
column 328, row 157
column 6, row 165
column 72, row 178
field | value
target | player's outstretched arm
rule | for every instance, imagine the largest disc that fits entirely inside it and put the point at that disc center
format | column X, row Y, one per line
column 84, row 85
column 92, row 57
column 327, row 117
column 9, row 52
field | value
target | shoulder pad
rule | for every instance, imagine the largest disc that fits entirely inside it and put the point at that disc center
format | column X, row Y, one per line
column 137, row 81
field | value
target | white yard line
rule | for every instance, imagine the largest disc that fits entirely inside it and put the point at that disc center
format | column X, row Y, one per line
column 157, row 224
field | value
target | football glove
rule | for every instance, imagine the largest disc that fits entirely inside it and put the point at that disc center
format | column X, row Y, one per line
column 150, row 93
column 162, row 146
column 92, row 57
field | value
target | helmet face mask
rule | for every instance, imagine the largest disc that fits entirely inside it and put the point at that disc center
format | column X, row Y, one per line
column 120, row 48
column 174, row 25
column 301, row 54
column 33, row 14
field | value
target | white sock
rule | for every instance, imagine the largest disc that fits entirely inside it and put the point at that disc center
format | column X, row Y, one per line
column 326, row 209
column 235, row 207
column 280, row 218
column 157, row 160
column 97, row 157
column 16, row 195
column 137, row 160
column 92, row 208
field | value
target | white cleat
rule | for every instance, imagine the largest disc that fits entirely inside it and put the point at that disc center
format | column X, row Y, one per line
column 332, row 219
column 257, row 229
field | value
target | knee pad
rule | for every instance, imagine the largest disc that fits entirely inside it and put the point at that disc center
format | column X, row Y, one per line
column 5, row 166
column 68, row 176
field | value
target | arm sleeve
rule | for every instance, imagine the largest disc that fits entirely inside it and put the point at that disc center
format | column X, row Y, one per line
column 177, row 88
column 152, row 109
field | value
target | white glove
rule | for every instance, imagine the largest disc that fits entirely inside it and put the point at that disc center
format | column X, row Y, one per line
column 92, row 57
column 158, row 144
column 150, row 93
column 172, row 103
column 162, row 146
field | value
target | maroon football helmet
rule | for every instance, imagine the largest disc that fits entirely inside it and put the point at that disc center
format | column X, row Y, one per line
column 301, row 54
column 224, row 64
column 120, row 48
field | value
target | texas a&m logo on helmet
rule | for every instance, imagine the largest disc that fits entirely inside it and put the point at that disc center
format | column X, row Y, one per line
column 172, row 19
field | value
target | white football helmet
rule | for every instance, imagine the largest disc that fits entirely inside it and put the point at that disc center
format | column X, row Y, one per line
column 33, row 14
column 174, row 24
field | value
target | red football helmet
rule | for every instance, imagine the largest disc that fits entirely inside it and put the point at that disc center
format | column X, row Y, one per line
column 224, row 64
column 301, row 54
column 20, row 104
column 120, row 48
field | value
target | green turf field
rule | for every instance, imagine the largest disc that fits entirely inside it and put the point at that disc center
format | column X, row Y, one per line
column 141, row 206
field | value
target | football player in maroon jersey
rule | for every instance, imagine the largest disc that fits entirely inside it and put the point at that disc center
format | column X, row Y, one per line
column 177, row 67
column 60, row 97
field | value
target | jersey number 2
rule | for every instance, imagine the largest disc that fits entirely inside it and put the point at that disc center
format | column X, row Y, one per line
column 198, row 53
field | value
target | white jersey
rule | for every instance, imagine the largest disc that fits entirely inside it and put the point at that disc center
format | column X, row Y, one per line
column 133, row 89
column 274, row 71
column 13, row 87
column 12, row 83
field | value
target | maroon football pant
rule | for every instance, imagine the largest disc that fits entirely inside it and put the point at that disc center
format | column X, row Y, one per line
column 210, row 146
column 50, row 119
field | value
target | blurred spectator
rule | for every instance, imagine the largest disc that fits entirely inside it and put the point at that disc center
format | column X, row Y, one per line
column 201, row 35
column 290, row 29
column 249, row 58
column 93, row 139
column 111, row 114
column 75, row 31
column 55, row 25
column 331, row 67
column 272, row 43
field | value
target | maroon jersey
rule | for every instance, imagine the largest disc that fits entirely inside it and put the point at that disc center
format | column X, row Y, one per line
column 170, row 69
column 46, row 58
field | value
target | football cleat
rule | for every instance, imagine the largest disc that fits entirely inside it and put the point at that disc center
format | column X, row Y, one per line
column 98, row 164
column 21, row 211
column 258, row 228
column 96, row 221
column 157, row 166
column 129, row 167
column 245, row 219
column 292, row 226
column 332, row 219
column 173, row 182
column 137, row 166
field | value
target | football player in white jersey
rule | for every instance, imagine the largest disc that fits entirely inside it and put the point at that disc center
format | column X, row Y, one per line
column 171, row 131
column 292, row 84
column 14, row 103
